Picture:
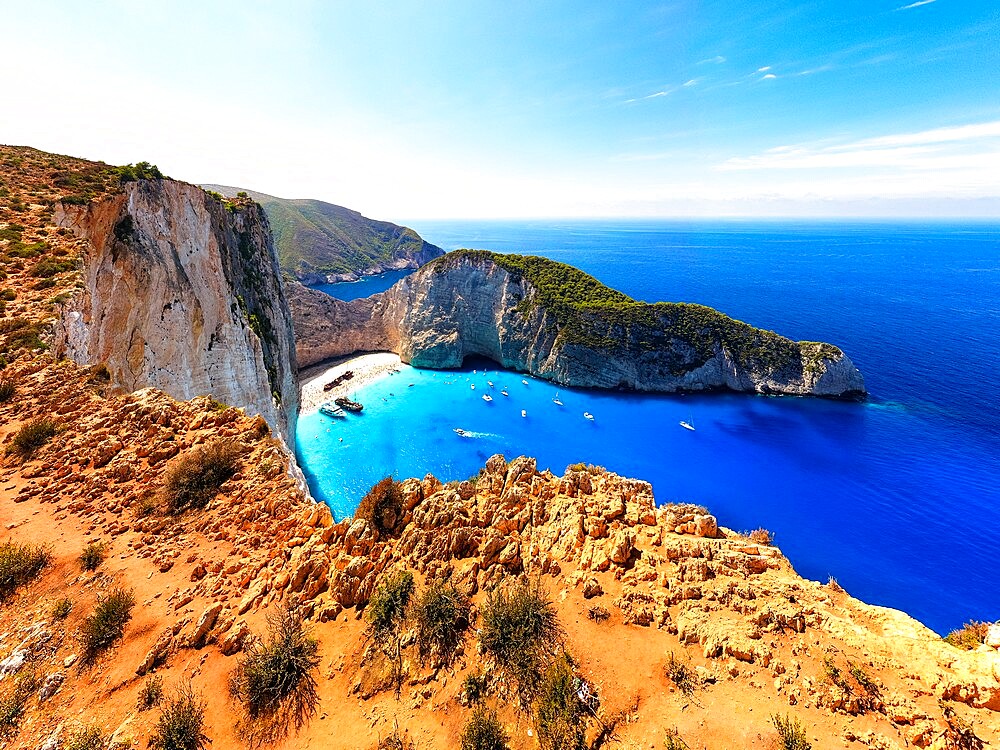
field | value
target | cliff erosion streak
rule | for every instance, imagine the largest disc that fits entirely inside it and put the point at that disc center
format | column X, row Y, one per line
column 556, row 322
column 183, row 294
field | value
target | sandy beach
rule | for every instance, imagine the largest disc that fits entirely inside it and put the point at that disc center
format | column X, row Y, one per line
column 367, row 368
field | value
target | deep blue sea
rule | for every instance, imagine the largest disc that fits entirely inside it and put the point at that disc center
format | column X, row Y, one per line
column 898, row 498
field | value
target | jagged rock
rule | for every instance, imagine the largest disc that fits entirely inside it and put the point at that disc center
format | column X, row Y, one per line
column 205, row 623
column 157, row 654
column 993, row 636
column 234, row 640
column 50, row 685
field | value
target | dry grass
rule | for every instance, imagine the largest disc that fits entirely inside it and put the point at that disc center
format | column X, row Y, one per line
column 31, row 437
column 106, row 625
column 194, row 478
column 19, row 565
column 382, row 506
column 969, row 636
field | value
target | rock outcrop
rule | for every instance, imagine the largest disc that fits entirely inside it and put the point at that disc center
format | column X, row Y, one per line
column 182, row 293
column 535, row 315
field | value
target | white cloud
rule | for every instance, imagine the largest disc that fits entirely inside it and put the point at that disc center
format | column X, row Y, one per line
column 717, row 60
column 769, row 77
column 764, row 69
column 916, row 4
column 692, row 82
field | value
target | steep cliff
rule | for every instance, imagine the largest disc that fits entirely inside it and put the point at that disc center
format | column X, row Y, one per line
column 319, row 242
column 556, row 322
column 182, row 293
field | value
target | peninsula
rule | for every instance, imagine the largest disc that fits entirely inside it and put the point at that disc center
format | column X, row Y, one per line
column 554, row 321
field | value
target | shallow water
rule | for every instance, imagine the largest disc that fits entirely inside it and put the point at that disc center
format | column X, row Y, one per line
column 897, row 498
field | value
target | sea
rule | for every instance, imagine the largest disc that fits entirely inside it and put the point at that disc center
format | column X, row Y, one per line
column 898, row 497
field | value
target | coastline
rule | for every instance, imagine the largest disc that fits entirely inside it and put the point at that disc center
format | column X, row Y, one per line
column 367, row 368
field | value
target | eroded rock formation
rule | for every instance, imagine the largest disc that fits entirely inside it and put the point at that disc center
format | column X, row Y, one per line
column 183, row 294
column 537, row 316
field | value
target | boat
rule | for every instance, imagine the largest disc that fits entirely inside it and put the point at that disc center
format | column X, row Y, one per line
column 525, row 382
column 347, row 404
column 556, row 400
column 460, row 431
column 588, row 415
column 338, row 380
column 504, row 392
column 487, row 397
column 331, row 410
column 473, row 386
column 687, row 426
column 524, row 413
column 489, row 383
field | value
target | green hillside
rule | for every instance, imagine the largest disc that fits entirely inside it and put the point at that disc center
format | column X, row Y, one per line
column 316, row 239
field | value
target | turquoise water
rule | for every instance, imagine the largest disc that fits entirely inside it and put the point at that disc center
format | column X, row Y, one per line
column 366, row 286
column 898, row 498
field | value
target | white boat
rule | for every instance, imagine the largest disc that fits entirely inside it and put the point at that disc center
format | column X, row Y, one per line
column 489, row 383
column 687, row 426
column 556, row 400
column 504, row 392
column 524, row 413
column 332, row 410
column 487, row 397
column 473, row 386
column 588, row 415
column 525, row 382
column 460, row 431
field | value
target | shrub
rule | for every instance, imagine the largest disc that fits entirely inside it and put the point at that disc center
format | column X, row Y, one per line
column 395, row 741
column 86, row 738
column 673, row 741
column 791, row 734
column 142, row 170
column 275, row 682
column 598, row 614
column 680, row 673
column 8, row 295
column 382, row 506
column 442, row 618
column 62, row 608
column 194, row 478
column 835, row 586
column 31, row 437
column 93, row 555
column 106, row 626
column 960, row 734
column 519, row 633
column 20, row 564
column 969, row 636
column 386, row 609
column 181, row 723
column 49, row 267
column 761, row 536
column 474, row 686
column 483, row 731
column 151, row 692
column 14, row 701
column 559, row 713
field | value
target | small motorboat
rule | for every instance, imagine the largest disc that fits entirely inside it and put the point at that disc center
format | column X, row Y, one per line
column 473, row 386
column 687, row 426
column 504, row 392
column 487, row 397
column 489, row 383
column 588, row 415
column 556, row 400
column 524, row 413
column 460, row 431
column 525, row 382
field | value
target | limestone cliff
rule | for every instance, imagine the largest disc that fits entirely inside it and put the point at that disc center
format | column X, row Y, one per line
column 182, row 293
column 554, row 321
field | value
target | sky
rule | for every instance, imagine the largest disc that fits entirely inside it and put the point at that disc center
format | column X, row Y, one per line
column 481, row 109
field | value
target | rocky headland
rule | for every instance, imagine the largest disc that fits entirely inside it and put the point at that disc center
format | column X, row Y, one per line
column 535, row 315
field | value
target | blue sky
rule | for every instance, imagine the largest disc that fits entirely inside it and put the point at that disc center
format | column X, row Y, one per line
column 484, row 109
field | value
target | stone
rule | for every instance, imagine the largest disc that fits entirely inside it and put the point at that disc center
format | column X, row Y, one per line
column 205, row 623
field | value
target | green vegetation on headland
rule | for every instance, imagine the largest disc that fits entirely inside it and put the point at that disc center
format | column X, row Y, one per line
column 593, row 315
column 317, row 238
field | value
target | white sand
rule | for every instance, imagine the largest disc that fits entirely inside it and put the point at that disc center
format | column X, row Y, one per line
column 367, row 369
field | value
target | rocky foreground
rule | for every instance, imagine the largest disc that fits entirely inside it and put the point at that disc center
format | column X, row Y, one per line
column 533, row 315
column 636, row 588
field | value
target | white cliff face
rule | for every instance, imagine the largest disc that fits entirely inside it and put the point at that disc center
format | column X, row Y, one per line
column 185, row 296
column 463, row 306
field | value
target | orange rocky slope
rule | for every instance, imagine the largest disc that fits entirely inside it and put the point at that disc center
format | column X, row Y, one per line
column 759, row 639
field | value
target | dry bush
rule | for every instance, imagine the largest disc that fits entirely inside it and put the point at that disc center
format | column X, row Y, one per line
column 483, row 731
column 14, row 701
column 441, row 614
column 681, row 674
column 194, row 478
column 31, row 437
column 559, row 713
column 7, row 389
column 761, row 536
column 62, row 608
column 275, row 681
column 106, row 625
column 791, row 734
column 382, row 506
column 86, row 738
column 19, row 565
column 519, row 634
column 93, row 555
column 834, row 586
column 969, row 636
column 181, row 723
column 151, row 692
